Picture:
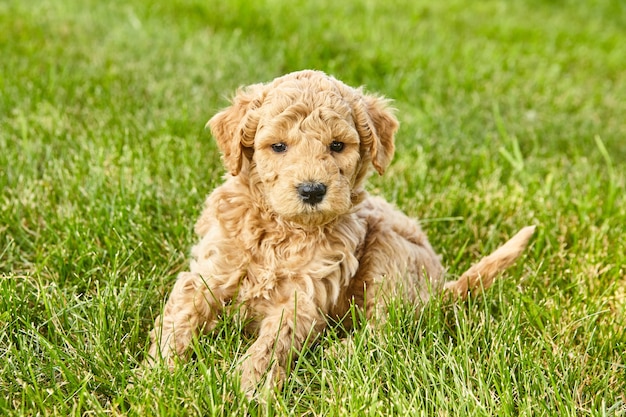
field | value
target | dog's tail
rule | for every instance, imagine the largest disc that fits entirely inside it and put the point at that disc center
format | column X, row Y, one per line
column 481, row 275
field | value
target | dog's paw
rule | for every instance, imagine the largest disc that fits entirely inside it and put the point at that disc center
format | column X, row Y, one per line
column 259, row 380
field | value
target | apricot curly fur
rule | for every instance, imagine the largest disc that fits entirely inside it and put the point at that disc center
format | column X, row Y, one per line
column 291, row 259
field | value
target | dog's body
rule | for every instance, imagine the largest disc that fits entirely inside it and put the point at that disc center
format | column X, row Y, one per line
column 292, row 237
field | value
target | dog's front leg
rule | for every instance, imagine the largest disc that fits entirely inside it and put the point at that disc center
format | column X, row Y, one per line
column 192, row 307
column 283, row 331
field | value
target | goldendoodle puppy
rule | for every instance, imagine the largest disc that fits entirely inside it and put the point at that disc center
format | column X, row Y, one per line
column 292, row 237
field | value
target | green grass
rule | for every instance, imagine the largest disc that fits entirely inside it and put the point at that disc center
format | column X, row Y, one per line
column 513, row 113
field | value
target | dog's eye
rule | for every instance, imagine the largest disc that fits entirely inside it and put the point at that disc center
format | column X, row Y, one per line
column 279, row 147
column 336, row 146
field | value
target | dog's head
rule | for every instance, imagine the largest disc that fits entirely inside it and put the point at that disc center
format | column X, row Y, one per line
column 307, row 140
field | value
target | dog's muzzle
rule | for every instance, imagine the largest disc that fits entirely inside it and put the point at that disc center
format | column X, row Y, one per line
column 311, row 192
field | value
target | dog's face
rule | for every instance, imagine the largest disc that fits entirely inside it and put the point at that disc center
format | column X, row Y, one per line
column 307, row 141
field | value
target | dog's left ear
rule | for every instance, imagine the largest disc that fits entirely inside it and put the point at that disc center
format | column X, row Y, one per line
column 234, row 127
column 377, row 128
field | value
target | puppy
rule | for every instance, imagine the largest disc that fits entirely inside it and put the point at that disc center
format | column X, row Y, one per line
column 292, row 237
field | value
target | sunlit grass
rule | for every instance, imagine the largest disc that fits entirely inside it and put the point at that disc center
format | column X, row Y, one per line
column 512, row 114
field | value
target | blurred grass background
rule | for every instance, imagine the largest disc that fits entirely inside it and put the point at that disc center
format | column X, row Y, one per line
column 512, row 113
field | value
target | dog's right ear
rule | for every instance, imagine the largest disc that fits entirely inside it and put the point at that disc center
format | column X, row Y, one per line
column 234, row 127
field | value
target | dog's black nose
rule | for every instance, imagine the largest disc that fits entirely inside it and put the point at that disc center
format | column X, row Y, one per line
column 312, row 192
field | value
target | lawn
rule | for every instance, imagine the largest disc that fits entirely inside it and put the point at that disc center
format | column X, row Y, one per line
column 512, row 113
